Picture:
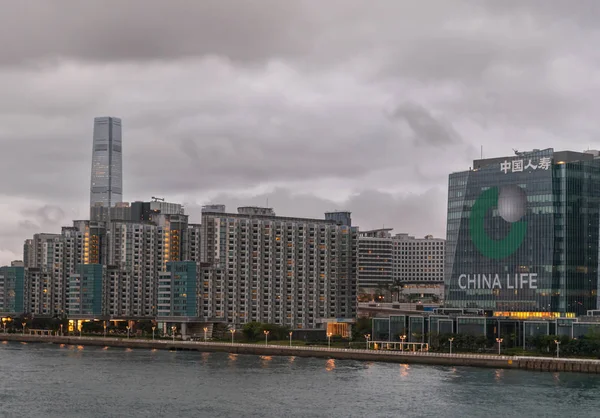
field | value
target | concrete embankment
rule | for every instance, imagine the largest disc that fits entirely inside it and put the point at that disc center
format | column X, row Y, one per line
column 473, row 360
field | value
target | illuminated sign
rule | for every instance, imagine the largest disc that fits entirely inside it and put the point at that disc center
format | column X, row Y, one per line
column 496, row 281
column 518, row 166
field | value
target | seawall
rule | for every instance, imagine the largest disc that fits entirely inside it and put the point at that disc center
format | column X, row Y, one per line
column 474, row 360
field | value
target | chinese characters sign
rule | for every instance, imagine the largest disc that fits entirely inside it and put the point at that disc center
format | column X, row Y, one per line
column 518, row 166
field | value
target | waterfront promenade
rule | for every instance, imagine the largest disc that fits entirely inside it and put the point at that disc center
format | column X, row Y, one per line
column 475, row 360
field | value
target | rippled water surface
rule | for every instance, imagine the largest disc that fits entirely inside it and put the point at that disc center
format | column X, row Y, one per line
column 43, row 380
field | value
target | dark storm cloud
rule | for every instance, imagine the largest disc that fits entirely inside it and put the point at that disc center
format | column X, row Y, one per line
column 367, row 104
column 149, row 29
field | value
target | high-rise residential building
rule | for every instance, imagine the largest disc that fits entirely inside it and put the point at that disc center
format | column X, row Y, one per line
column 267, row 268
column 419, row 260
column 375, row 259
column 12, row 290
column 178, row 291
column 522, row 235
column 385, row 259
column 86, row 291
column 107, row 163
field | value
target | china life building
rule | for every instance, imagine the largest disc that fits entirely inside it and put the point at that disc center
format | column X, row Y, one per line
column 522, row 235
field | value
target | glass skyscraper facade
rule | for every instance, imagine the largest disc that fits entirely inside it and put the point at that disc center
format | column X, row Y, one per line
column 522, row 235
column 107, row 163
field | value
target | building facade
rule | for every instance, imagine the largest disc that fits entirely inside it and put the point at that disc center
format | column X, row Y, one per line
column 178, row 291
column 385, row 259
column 522, row 235
column 107, row 163
column 376, row 265
column 86, row 297
column 12, row 289
column 288, row 271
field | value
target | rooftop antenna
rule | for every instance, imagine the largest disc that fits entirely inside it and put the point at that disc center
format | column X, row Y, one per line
column 482, row 152
column 516, row 151
column 267, row 202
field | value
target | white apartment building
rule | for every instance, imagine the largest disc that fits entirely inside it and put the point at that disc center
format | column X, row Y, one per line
column 266, row 268
column 385, row 259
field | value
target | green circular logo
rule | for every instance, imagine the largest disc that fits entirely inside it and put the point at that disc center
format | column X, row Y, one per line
column 511, row 202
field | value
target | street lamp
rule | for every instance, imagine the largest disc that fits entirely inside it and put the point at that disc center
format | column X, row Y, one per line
column 232, row 330
column 499, row 341
column 61, row 330
column 329, row 340
column 205, row 329
column 128, row 328
column 367, row 337
column 451, row 339
column 290, row 338
column 104, row 329
column 266, row 336
column 23, row 323
column 173, row 328
column 153, row 328
column 402, row 337
column 557, row 348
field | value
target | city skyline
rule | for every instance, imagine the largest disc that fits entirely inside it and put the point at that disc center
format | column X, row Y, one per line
column 313, row 122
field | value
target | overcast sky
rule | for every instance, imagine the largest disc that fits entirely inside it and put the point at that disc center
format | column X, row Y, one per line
column 313, row 105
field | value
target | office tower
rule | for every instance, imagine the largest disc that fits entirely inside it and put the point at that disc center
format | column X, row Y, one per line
column 522, row 235
column 107, row 163
column 291, row 271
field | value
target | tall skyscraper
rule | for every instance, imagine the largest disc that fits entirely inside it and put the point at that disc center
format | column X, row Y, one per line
column 107, row 163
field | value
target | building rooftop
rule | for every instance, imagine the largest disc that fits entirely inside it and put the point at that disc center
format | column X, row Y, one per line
column 562, row 156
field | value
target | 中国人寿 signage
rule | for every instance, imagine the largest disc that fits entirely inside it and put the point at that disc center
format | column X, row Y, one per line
column 498, row 281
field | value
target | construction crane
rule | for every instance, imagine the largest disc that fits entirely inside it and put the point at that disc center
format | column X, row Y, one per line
column 158, row 199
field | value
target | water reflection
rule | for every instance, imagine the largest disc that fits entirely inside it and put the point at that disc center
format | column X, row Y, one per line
column 232, row 359
column 404, row 368
column 330, row 365
column 292, row 359
column 205, row 357
column 265, row 360
column 498, row 375
column 80, row 347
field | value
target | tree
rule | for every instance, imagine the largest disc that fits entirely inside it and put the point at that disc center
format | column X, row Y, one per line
column 362, row 327
column 252, row 330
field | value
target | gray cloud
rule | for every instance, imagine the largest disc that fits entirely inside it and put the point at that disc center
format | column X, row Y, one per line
column 363, row 105
column 416, row 214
